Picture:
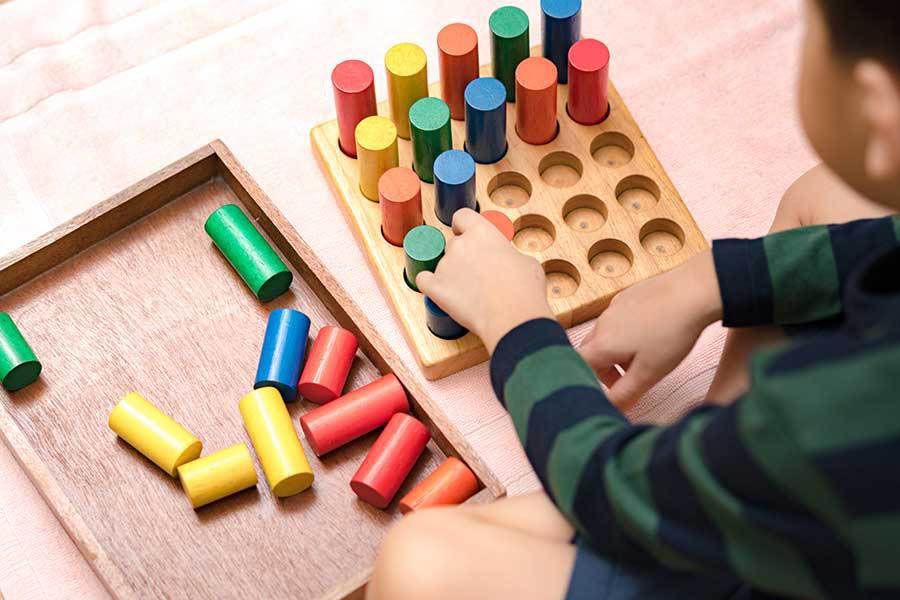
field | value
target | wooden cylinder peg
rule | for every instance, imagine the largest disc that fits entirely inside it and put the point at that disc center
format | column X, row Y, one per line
column 376, row 148
column 486, row 120
column 536, row 121
column 458, row 51
column 19, row 366
column 429, row 124
column 451, row 483
column 390, row 460
column 353, row 83
column 503, row 223
column 353, row 415
column 509, row 45
column 282, row 352
column 454, row 184
column 560, row 28
column 328, row 365
column 276, row 443
column 153, row 433
column 440, row 323
column 424, row 247
column 588, row 82
column 400, row 196
column 218, row 475
column 407, row 81
column 248, row 252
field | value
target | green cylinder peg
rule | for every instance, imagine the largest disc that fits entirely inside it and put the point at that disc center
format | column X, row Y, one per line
column 509, row 45
column 429, row 124
column 248, row 252
column 424, row 248
column 19, row 366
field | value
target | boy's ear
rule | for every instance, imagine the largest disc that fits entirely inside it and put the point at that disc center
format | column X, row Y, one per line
column 880, row 106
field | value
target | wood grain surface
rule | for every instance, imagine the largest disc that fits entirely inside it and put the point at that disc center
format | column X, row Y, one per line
column 594, row 206
column 156, row 308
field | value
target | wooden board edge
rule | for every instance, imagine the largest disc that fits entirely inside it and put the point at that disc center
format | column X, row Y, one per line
column 348, row 312
column 106, row 571
column 99, row 222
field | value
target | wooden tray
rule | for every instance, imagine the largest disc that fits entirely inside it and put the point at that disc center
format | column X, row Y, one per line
column 156, row 308
column 595, row 206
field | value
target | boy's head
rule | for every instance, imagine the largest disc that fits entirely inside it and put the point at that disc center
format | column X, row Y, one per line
column 850, row 92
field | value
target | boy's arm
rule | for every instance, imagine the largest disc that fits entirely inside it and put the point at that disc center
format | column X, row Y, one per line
column 711, row 493
column 795, row 276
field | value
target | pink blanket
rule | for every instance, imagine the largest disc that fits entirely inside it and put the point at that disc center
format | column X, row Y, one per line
column 96, row 94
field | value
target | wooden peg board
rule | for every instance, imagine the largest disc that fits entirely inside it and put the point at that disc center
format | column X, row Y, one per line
column 594, row 206
column 132, row 295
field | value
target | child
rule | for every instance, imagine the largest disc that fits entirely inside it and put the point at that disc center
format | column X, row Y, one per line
column 792, row 490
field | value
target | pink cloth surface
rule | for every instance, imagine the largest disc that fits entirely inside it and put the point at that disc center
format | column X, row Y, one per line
column 97, row 94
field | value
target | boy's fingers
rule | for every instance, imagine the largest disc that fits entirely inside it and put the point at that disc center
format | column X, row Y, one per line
column 464, row 219
column 424, row 281
column 629, row 389
column 609, row 377
column 599, row 358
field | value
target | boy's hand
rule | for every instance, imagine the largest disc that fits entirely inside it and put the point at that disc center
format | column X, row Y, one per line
column 484, row 283
column 649, row 328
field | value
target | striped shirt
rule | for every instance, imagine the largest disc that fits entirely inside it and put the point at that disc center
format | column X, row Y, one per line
column 795, row 487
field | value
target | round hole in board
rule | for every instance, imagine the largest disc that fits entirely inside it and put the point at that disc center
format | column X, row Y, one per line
column 509, row 190
column 610, row 258
column 561, row 169
column 612, row 149
column 585, row 213
column 662, row 237
column 534, row 233
column 637, row 193
column 563, row 279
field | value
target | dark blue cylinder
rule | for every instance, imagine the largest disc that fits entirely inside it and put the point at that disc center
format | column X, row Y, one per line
column 486, row 120
column 282, row 352
column 561, row 27
column 454, row 184
column 440, row 323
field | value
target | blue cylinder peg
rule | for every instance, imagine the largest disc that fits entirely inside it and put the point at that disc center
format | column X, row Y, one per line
column 282, row 352
column 440, row 323
column 561, row 27
column 454, row 184
column 486, row 120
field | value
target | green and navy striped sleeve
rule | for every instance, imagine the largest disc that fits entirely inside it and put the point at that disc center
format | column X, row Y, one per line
column 796, row 276
column 771, row 490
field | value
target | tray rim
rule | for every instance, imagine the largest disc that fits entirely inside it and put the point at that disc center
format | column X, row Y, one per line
column 142, row 199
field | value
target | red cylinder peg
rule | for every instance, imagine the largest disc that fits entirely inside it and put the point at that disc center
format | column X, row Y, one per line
column 458, row 54
column 354, row 99
column 400, row 197
column 536, row 100
column 501, row 222
column 588, row 82
column 328, row 365
column 353, row 415
column 390, row 460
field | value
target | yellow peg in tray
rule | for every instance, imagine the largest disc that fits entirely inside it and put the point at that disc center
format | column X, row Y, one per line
column 276, row 443
column 153, row 433
column 218, row 475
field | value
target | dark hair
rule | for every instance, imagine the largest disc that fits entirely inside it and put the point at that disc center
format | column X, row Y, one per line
column 864, row 28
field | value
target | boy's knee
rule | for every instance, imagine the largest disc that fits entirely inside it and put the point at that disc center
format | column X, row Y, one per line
column 411, row 556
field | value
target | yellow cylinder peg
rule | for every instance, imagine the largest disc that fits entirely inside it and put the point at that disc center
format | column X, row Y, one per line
column 407, row 79
column 376, row 149
column 218, row 475
column 275, row 441
column 153, row 433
